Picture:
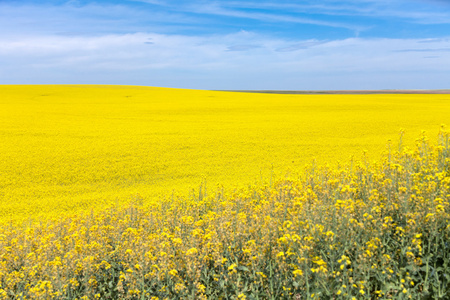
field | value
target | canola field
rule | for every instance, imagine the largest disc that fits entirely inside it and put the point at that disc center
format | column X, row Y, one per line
column 112, row 192
column 67, row 149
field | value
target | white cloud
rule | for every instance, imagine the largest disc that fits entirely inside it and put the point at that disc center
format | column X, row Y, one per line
column 206, row 62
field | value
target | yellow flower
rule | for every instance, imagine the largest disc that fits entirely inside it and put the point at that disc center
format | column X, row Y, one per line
column 201, row 288
column 177, row 241
column 192, row 251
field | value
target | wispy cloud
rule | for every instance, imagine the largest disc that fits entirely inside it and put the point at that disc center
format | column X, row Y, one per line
column 242, row 47
column 299, row 46
column 206, row 17
column 309, row 7
column 90, row 19
column 424, row 50
column 420, row 11
column 154, row 2
column 426, row 41
column 215, row 9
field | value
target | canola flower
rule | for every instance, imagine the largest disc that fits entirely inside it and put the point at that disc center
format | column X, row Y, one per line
column 71, row 149
column 362, row 230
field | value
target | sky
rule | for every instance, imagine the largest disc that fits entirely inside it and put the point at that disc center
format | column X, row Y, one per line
column 228, row 45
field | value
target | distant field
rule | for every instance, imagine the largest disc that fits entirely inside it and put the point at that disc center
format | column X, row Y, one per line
column 66, row 149
column 350, row 92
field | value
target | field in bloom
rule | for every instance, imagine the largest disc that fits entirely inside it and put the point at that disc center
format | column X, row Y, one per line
column 357, row 231
column 95, row 194
column 67, row 149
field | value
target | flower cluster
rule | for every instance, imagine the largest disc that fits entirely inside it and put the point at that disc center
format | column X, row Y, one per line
column 361, row 231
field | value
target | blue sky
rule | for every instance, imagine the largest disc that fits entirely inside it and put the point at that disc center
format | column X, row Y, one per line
column 248, row 44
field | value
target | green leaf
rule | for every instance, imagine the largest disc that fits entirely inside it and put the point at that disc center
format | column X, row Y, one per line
column 243, row 268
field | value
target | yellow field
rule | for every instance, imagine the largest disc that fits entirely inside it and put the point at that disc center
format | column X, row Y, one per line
column 65, row 149
column 356, row 229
